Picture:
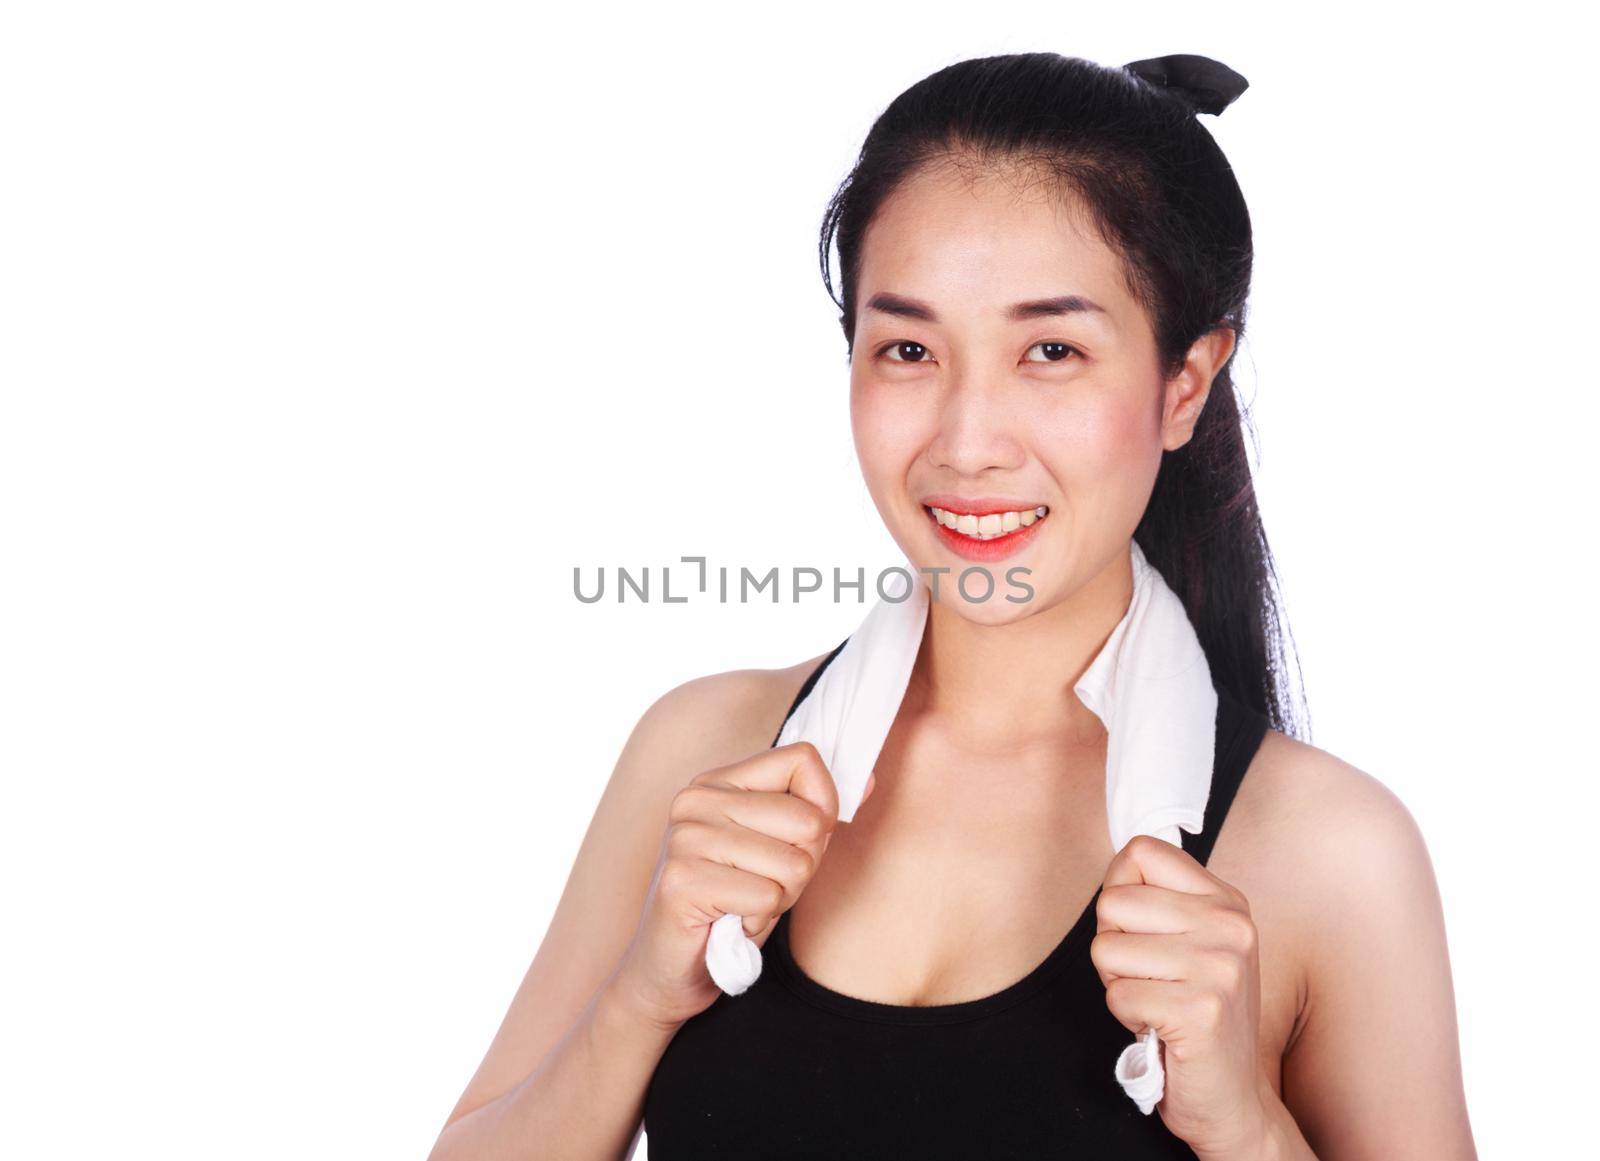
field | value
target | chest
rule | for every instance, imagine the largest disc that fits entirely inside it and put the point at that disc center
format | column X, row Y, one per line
column 960, row 878
column 960, row 873
column 932, row 993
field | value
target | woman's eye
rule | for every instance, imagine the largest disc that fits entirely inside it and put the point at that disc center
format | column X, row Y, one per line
column 1053, row 352
column 906, row 352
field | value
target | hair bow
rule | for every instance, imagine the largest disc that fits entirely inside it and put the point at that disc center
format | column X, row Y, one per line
column 1209, row 85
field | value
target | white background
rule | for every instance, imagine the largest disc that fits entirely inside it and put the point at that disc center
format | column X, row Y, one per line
column 336, row 335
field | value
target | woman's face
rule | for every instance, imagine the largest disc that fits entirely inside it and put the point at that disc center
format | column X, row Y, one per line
column 1000, row 369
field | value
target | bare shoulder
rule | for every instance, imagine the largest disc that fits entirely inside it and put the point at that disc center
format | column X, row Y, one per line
column 1352, row 938
column 713, row 720
column 1325, row 828
column 701, row 724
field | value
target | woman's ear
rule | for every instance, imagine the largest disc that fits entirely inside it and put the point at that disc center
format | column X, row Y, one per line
column 1188, row 390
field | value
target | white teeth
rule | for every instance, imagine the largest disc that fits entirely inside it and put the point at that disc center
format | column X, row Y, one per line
column 989, row 525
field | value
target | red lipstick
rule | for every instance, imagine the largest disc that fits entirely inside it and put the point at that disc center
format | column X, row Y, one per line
column 982, row 551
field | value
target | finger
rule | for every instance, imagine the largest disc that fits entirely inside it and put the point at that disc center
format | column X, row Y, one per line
column 1140, row 1003
column 1123, row 954
column 738, row 846
column 1146, row 859
column 1153, row 910
column 795, row 769
column 783, row 816
column 723, row 890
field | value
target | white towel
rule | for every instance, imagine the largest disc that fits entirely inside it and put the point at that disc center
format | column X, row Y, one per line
column 1150, row 685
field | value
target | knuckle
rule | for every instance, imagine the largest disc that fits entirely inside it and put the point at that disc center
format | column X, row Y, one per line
column 686, row 834
column 800, row 864
column 689, row 799
column 1111, row 902
column 817, row 824
column 1227, row 969
column 1144, row 851
column 807, row 752
column 706, row 777
column 774, row 895
column 1102, row 906
column 676, row 876
column 1240, row 931
column 1206, row 1009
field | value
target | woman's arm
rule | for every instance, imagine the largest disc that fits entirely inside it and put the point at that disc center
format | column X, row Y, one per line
column 1375, row 1069
column 568, row 1068
column 584, row 1101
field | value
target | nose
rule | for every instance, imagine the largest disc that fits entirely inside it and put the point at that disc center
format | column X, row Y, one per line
column 976, row 432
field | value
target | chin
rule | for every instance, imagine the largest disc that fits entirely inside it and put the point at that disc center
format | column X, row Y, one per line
column 1026, row 595
column 995, row 611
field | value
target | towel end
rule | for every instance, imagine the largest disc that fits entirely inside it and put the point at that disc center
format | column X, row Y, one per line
column 1140, row 1073
column 732, row 957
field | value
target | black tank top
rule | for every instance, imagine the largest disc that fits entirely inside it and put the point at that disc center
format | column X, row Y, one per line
column 793, row 1069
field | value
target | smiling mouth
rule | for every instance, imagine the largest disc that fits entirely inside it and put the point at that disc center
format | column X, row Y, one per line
column 991, row 525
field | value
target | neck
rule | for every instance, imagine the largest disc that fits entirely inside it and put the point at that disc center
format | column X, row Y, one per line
column 1015, row 681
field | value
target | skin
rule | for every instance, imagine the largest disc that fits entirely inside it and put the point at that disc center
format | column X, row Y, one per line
column 1300, row 981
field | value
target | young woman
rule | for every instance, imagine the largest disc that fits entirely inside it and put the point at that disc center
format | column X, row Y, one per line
column 1044, row 268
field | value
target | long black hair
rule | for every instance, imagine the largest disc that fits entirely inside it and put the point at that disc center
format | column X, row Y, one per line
column 1161, row 194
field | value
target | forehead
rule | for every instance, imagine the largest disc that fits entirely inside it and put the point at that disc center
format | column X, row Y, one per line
column 972, row 242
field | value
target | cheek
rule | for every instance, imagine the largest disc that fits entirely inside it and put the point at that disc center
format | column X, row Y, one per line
column 888, row 429
column 1109, row 447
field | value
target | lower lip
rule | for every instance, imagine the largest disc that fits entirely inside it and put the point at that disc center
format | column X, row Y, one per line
column 987, row 551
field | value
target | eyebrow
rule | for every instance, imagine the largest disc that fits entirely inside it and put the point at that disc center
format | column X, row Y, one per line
column 903, row 307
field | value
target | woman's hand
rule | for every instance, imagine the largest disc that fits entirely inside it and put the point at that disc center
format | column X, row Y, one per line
column 743, row 839
column 1176, row 949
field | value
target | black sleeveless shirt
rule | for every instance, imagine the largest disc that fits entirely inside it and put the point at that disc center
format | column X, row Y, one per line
column 793, row 1069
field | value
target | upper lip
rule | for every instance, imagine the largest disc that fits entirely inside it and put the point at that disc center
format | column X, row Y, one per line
column 978, row 505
